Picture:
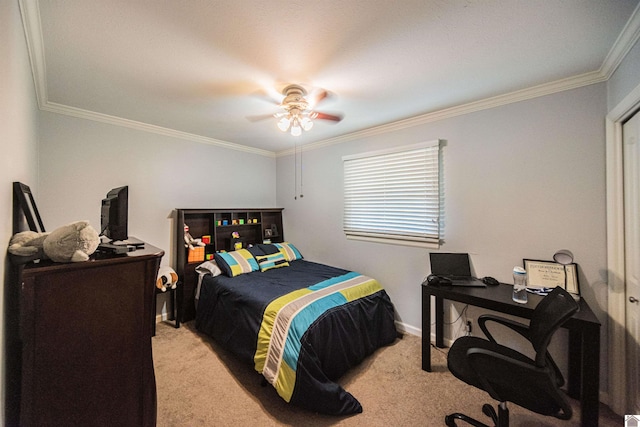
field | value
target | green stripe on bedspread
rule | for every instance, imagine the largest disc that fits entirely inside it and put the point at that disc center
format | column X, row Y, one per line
column 287, row 318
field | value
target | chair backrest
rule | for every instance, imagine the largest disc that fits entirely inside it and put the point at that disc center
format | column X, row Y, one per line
column 554, row 309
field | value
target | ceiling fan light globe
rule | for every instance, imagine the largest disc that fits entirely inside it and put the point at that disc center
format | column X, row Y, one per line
column 306, row 123
column 296, row 130
column 283, row 124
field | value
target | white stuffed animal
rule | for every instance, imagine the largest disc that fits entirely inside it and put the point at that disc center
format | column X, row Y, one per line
column 27, row 243
column 72, row 242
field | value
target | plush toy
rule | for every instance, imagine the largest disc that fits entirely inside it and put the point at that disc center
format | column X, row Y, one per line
column 28, row 244
column 167, row 279
column 189, row 241
column 72, row 242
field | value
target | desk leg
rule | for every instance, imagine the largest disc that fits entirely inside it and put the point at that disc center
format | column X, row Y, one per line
column 584, row 372
column 590, row 402
column 439, row 322
column 426, row 331
column 575, row 365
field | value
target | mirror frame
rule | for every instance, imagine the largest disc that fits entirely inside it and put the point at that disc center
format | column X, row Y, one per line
column 25, row 209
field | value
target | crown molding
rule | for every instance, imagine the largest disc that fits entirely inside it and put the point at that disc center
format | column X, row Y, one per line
column 33, row 32
column 30, row 13
column 623, row 44
column 145, row 127
column 459, row 110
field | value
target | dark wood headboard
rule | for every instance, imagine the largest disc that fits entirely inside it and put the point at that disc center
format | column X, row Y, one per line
column 253, row 226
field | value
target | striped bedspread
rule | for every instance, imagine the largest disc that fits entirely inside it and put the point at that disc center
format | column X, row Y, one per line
column 302, row 327
column 287, row 318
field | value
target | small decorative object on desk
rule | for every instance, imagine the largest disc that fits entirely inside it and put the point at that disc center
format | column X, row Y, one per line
column 519, row 285
column 268, row 232
column 206, row 239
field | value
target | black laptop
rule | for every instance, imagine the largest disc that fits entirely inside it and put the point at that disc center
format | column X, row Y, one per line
column 454, row 266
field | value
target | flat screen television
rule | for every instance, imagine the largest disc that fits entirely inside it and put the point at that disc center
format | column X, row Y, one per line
column 115, row 214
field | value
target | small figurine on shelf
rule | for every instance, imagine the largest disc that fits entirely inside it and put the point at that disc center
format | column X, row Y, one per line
column 189, row 241
column 235, row 239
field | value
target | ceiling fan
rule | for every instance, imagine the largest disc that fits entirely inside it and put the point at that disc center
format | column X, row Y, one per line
column 298, row 111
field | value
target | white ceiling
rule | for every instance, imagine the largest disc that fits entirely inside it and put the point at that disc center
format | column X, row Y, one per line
column 196, row 68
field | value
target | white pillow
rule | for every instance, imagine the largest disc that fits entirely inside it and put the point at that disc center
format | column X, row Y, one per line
column 207, row 267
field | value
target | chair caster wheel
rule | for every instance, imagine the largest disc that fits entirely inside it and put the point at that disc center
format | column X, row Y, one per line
column 449, row 420
column 490, row 412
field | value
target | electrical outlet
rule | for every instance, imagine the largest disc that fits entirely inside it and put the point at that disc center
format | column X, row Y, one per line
column 469, row 327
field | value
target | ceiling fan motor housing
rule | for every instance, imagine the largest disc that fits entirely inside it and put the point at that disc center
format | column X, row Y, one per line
column 294, row 98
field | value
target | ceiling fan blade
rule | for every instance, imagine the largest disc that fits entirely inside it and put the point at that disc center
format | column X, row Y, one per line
column 260, row 117
column 270, row 96
column 330, row 117
column 316, row 97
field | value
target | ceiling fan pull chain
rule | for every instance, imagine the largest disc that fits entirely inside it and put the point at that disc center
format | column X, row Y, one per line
column 301, row 168
column 295, row 171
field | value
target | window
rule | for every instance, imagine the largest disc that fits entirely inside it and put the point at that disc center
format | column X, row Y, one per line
column 393, row 196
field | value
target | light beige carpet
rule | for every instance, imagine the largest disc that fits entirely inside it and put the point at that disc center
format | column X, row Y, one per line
column 200, row 384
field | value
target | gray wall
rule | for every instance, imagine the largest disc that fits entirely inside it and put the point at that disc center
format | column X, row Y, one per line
column 81, row 160
column 18, row 140
column 521, row 181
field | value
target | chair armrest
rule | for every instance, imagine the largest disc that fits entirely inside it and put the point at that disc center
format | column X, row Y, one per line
column 518, row 327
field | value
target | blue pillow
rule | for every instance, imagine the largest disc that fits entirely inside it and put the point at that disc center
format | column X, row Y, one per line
column 236, row 262
column 256, row 251
column 268, row 248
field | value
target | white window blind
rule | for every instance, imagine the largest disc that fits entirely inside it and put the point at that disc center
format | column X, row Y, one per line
column 393, row 196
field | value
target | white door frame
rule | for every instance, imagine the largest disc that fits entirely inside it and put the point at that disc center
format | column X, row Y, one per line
column 615, row 251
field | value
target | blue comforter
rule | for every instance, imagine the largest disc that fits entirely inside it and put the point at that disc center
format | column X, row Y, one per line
column 346, row 317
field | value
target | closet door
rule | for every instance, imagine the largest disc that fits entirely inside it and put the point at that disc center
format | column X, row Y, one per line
column 631, row 152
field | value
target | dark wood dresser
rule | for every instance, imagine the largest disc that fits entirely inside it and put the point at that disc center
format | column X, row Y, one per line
column 85, row 334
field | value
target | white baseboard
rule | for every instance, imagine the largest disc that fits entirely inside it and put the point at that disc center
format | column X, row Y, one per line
column 162, row 317
column 404, row 328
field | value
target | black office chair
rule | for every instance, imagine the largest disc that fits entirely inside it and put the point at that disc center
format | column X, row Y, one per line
column 510, row 376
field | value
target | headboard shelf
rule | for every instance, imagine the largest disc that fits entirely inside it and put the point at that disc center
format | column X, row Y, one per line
column 254, row 225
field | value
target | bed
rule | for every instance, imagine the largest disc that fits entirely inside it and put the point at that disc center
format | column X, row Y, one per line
column 301, row 324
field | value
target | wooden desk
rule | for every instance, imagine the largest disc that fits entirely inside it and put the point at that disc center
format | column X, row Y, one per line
column 584, row 336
